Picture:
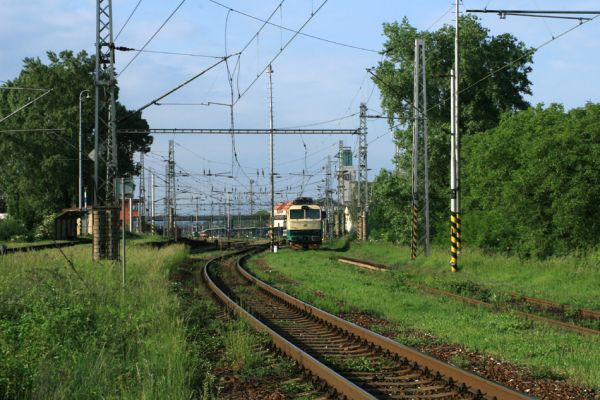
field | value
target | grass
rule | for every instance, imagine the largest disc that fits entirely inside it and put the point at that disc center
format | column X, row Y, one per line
column 229, row 348
column 77, row 334
column 573, row 280
column 338, row 287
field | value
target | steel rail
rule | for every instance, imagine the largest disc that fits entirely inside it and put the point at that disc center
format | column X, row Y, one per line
column 584, row 312
column 549, row 321
column 488, row 389
column 364, row 264
column 332, row 378
column 566, row 325
column 49, row 246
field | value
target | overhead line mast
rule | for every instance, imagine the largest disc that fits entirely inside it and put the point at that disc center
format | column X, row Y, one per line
column 105, row 212
column 271, row 173
column 455, row 228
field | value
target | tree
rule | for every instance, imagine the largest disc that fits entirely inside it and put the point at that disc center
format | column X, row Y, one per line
column 533, row 183
column 38, row 169
column 494, row 77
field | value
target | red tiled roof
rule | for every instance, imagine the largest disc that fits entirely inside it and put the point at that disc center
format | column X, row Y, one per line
column 281, row 207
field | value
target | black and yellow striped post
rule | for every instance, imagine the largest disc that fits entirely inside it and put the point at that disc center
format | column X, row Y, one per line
column 454, row 241
column 458, row 232
column 413, row 243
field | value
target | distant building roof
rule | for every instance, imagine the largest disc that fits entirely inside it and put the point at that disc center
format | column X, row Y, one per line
column 283, row 207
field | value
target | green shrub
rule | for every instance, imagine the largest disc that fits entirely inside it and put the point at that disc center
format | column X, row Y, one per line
column 9, row 228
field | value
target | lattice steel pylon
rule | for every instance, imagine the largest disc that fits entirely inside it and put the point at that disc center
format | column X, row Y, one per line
column 340, row 192
column 105, row 243
column 362, row 178
column 171, row 193
column 328, row 200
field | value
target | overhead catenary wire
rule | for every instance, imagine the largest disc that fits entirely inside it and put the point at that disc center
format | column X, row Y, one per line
column 171, row 53
column 240, row 95
column 128, row 19
column 153, row 102
column 152, row 37
column 295, row 31
column 321, row 122
column 26, row 105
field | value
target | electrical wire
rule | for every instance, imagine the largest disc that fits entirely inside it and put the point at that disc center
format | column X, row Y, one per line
column 127, row 21
column 240, row 95
column 321, row 122
column 295, row 31
column 152, row 37
column 171, row 53
column 155, row 101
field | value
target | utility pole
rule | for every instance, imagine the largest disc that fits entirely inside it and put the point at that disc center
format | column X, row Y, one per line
column 197, row 232
column 106, row 211
column 131, row 214
column 124, row 256
column 228, row 205
column 455, row 156
column 142, row 200
column 420, row 133
column 272, row 173
column 251, row 197
column 167, row 215
column 363, row 184
column 152, row 214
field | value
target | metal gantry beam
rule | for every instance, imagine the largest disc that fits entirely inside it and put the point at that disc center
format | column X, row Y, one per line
column 220, row 131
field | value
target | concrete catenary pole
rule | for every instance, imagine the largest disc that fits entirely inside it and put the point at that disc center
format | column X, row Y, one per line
column 80, row 149
column 420, row 159
column 152, row 214
column 271, row 166
column 142, row 200
column 455, row 156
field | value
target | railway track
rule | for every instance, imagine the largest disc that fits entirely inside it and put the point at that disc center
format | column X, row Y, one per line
column 355, row 363
column 35, row 247
column 585, row 313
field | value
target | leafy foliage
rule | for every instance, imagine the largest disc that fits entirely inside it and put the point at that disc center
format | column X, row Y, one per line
column 503, row 58
column 38, row 169
column 10, row 228
column 532, row 184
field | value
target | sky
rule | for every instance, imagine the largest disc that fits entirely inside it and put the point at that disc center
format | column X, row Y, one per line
column 313, row 80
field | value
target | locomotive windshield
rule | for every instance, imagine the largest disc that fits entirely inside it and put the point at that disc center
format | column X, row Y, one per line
column 309, row 213
column 312, row 213
column 296, row 214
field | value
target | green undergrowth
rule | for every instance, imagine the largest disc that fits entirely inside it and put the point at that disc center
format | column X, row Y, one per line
column 317, row 278
column 571, row 280
column 74, row 333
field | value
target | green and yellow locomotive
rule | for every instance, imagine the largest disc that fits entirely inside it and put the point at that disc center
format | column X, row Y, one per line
column 304, row 224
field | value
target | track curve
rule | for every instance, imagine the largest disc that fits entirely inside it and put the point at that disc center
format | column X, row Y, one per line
column 356, row 363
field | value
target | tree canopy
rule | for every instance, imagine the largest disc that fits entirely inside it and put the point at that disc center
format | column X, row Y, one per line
column 39, row 168
column 493, row 80
column 532, row 184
